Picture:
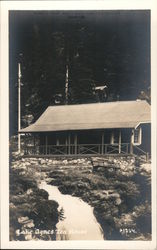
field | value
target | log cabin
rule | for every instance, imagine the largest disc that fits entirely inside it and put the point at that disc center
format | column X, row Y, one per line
column 121, row 127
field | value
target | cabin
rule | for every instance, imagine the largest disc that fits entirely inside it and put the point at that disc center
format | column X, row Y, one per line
column 121, row 127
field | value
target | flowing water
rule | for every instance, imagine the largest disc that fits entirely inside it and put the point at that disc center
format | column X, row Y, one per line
column 79, row 222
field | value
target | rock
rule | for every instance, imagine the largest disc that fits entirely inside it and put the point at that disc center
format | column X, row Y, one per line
column 22, row 173
column 27, row 164
column 114, row 211
column 146, row 167
column 65, row 162
column 12, row 206
column 28, row 237
column 118, row 201
column 28, row 224
column 33, row 162
column 89, row 162
column 126, row 220
column 42, row 193
column 75, row 161
column 45, row 211
column 22, row 220
column 44, row 165
column 42, row 161
column 29, row 191
column 17, row 232
column 140, row 237
column 106, row 195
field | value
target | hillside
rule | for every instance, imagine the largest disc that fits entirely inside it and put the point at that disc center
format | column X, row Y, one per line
column 119, row 192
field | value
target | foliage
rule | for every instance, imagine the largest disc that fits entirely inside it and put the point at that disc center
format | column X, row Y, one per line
column 100, row 48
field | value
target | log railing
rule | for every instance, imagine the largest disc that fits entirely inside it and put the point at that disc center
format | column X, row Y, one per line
column 79, row 149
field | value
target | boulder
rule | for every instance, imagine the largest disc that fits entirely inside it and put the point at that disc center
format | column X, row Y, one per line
column 23, row 219
column 45, row 214
column 118, row 201
column 29, row 191
column 28, row 224
column 145, row 167
column 65, row 162
column 42, row 161
column 28, row 237
column 125, row 221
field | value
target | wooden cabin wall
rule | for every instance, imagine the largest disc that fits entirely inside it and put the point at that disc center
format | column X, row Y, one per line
column 85, row 136
column 42, row 139
column 126, row 135
column 146, row 137
column 89, row 137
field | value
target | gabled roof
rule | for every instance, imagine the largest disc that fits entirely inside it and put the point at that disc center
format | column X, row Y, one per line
column 120, row 114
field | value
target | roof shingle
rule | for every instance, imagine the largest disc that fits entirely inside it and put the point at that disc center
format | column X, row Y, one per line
column 121, row 114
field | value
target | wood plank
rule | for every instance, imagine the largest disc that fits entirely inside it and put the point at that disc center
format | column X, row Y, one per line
column 102, row 143
column 75, row 143
column 46, row 144
column 120, row 140
column 69, row 136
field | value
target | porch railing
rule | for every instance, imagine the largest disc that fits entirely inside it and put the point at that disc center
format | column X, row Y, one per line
column 79, row 149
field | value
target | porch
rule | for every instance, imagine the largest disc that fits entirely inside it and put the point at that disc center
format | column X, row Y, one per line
column 80, row 143
column 79, row 149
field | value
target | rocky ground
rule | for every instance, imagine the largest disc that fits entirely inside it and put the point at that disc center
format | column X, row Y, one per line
column 28, row 216
column 118, row 188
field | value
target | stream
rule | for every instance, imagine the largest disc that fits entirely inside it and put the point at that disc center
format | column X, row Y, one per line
column 78, row 222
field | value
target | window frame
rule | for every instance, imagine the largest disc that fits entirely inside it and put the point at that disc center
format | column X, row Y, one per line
column 113, row 137
column 139, row 141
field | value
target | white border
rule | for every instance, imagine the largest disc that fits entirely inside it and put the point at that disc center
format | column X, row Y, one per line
column 4, row 99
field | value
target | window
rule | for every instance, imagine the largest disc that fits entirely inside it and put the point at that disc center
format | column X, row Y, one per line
column 137, row 136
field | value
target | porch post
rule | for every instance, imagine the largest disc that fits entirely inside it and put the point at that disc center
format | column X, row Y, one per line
column 131, row 141
column 66, row 144
column 46, row 144
column 75, row 143
column 119, row 144
column 69, row 143
column 25, row 146
column 57, row 141
column 102, row 143
column 112, row 137
column 34, row 142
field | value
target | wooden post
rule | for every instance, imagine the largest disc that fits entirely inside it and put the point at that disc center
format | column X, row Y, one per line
column 57, row 142
column 69, row 143
column 112, row 138
column 46, row 144
column 19, row 107
column 127, row 150
column 131, row 141
column 66, row 85
column 66, row 145
column 75, row 143
column 105, row 148
column 147, row 157
column 25, row 144
column 102, row 143
column 34, row 143
column 119, row 143
column 99, row 149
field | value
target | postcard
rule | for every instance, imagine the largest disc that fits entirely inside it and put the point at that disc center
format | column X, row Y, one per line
column 78, row 125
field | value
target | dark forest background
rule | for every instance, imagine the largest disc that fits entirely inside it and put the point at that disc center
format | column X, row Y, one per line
column 101, row 48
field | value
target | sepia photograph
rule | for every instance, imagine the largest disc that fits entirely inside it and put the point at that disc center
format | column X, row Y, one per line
column 80, row 126
column 80, row 134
